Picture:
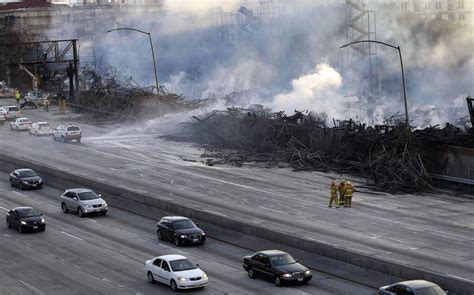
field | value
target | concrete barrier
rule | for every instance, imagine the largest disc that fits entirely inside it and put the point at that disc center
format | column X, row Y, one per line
column 147, row 205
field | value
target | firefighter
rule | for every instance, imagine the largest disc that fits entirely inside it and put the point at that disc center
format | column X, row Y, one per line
column 340, row 189
column 333, row 195
column 348, row 191
column 17, row 95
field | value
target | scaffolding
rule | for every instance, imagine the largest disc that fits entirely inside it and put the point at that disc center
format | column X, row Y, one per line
column 361, row 59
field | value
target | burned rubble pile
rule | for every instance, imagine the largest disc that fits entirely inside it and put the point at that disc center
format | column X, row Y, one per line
column 391, row 158
column 117, row 99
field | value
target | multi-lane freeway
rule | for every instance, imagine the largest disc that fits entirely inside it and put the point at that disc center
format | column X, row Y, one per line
column 106, row 255
column 431, row 231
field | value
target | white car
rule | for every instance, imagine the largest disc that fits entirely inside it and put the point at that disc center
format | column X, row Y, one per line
column 176, row 271
column 20, row 124
column 67, row 133
column 37, row 96
column 40, row 128
column 10, row 112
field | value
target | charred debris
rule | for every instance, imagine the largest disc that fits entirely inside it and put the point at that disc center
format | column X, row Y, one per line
column 391, row 157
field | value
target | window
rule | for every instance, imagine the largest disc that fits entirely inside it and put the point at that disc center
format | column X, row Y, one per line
column 157, row 262
column 165, row 266
column 261, row 258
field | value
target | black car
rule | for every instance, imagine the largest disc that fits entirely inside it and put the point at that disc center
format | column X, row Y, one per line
column 180, row 230
column 26, row 219
column 25, row 178
column 276, row 265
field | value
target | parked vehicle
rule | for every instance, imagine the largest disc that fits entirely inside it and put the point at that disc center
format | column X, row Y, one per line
column 40, row 128
column 276, row 265
column 25, row 178
column 415, row 287
column 20, row 124
column 83, row 202
column 37, row 96
column 10, row 112
column 26, row 219
column 67, row 133
column 176, row 271
column 180, row 230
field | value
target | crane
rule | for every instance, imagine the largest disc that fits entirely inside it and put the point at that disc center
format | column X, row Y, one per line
column 33, row 77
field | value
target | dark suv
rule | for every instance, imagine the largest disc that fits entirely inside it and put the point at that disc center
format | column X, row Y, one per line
column 180, row 230
column 276, row 265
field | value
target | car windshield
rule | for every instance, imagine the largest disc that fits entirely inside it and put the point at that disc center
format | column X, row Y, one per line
column 282, row 259
column 13, row 109
column 43, row 126
column 182, row 264
column 73, row 128
column 90, row 195
column 28, row 213
column 431, row 290
column 183, row 224
column 25, row 121
column 27, row 173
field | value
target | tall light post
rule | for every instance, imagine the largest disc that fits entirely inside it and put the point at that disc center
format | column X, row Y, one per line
column 152, row 51
column 401, row 64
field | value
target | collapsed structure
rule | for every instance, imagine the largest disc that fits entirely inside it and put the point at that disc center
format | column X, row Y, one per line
column 392, row 157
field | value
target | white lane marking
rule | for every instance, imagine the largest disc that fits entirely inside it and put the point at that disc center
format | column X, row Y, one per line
column 32, row 288
column 106, row 280
column 414, row 225
column 278, row 211
column 4, row 208
column 461, row 278
column 6, row 235
column 92, row 220
column 71, row 235
column 20, row 194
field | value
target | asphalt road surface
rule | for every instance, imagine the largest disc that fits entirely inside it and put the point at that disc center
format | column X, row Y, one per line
column 430, row 231
column 106, row 255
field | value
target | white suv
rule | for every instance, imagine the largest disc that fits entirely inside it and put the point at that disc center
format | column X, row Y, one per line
column 10, row 112
column 67, row 133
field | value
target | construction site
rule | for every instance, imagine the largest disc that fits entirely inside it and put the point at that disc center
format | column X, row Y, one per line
column 240, row 115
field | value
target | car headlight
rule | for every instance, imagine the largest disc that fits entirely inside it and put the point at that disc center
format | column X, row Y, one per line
column 183, row 236
column 42, row 220
column 24, row 181
column 308, row 272
column 22, row 222
column 204, row 276
column 88, row 206
column 181, row 279
column 287, row 275
column 105, row 204
column 203, row 234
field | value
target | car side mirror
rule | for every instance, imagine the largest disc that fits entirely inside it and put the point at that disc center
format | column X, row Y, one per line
column 297, row 260
column 74, row 198
column 197, row 265
column 41, row 214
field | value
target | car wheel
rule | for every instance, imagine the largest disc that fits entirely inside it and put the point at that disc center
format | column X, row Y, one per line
column 176, row 241
column 8, row 224
column 160, row 236
column 21, row 186
column 173, row 286
column 79, row 212
column 40, row 187
column 151, row 279
column 11, row 183
column 78, row 140
column 251, row 273
column 64, row 208
column 43, row 229
column 277, row 281
column 103, row 213
column 11, row 127
column 63, row 140
column 54, row 137
column 20, row 229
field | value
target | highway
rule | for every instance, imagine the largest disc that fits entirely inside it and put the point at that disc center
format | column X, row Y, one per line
column 106, row 255
column 432, row 231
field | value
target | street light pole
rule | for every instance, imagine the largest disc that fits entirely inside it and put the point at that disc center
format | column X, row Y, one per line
column 152, row 51
column 401, row 65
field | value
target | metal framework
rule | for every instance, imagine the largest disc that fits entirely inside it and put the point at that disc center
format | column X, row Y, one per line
column 361, row 58
column 40, row 53
column 470, row 107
